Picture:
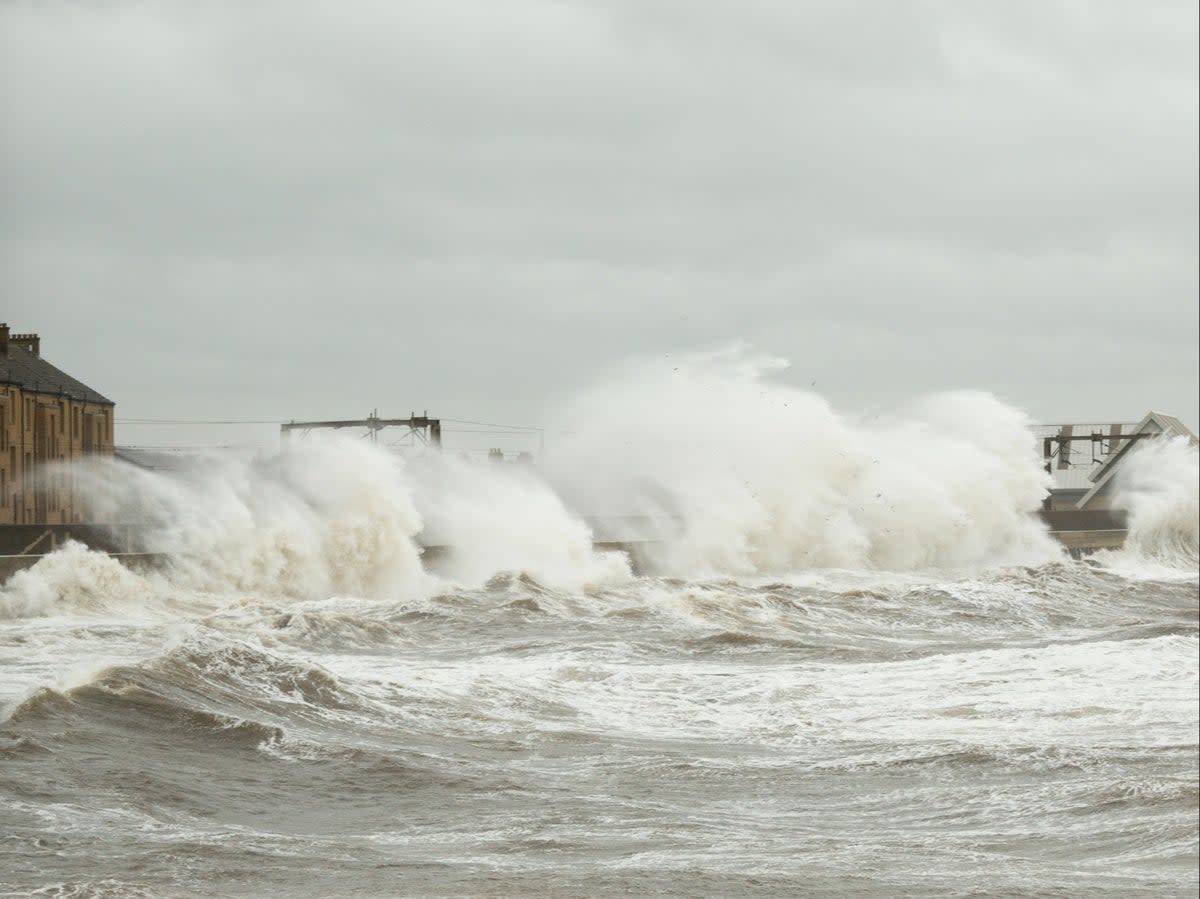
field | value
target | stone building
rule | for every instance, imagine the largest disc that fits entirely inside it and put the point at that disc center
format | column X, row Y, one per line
column 47, row 420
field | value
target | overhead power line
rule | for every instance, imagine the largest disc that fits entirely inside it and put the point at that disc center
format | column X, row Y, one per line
column 488, row 424
column 194, row 421
column 493, row 433
column 283, row 421
column 178, row 447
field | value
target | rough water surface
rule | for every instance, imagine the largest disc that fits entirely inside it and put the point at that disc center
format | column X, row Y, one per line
column 291, row 706
column 1030, row 731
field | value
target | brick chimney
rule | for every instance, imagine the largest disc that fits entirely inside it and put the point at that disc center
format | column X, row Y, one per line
column 30, row 342
column 3, row 338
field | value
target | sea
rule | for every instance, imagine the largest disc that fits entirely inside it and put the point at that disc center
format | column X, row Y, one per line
column 846, row 662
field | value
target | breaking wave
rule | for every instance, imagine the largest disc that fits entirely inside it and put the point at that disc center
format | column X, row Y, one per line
column 871, row 640
column 708, row 463
column 318, row 518
column 233, row 690
column 73, row 578
column 755, row 476
column 1159, row 486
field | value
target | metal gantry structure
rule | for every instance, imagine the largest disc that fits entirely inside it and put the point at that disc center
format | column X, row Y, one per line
column 1058, row 447
column 421, row 427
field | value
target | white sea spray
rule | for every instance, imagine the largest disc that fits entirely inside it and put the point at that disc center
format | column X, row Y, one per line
column 750, row 475
column 1160, row 489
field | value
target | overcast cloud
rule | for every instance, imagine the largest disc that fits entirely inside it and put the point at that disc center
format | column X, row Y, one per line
column 302, row 209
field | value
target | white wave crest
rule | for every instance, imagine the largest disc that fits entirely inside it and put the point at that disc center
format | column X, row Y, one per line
column 1159, row 486
column 752, row 476
column 724, row 469
column 320, row 517
column 328, row 515
column 71, row 579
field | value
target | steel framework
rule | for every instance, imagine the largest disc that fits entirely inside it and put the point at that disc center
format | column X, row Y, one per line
column 1102, row 445
column 422, row 427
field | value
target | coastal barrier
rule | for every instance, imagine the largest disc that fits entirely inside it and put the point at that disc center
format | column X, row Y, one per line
column 1081, row 532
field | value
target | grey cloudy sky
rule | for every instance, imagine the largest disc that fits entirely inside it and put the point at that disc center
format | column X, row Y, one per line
column 309, row 209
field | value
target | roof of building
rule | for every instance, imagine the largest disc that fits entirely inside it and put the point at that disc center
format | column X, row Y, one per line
column 1154, row 423
column 31, row 372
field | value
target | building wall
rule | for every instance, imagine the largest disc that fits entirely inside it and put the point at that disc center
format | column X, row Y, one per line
column 41, row 435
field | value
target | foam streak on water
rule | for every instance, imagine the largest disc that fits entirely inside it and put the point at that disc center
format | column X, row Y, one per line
column 813, row 694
